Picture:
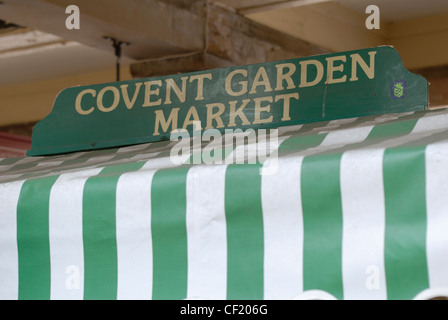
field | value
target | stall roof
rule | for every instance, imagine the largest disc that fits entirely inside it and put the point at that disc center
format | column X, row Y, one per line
column 355, row 208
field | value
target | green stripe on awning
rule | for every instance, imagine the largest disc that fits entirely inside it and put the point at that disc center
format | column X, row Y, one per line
column 33, row 242
column 300, row 143
column 8, row 161
column 405, row 238
column 322, row 221
column 245, row 248
column 88, row 155
column 99, row 232
column 169, row 233
column 401, row 126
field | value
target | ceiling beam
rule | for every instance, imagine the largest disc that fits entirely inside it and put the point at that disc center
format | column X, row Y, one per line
column 329, row 25
column 153, row 28
column 279, row 5
column 25, row 41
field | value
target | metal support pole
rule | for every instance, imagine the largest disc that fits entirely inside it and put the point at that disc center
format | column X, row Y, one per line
column 117, row 46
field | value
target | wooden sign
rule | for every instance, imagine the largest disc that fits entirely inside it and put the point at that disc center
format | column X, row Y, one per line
column 268, row 95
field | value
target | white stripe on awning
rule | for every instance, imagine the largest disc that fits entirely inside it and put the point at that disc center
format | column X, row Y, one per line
column 66, row 241
column 437, row 213
column 283, row 230
column 9, row 277
column 134, row 245
column 207, row 234
column 363, row 223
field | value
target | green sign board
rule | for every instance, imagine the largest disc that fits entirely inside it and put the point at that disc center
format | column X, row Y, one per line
column 268, row 95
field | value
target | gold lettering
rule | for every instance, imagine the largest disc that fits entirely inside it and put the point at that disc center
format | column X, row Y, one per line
column 124, row 92
column 304, row 73
column 188, row 121
column 99, row 100
column 261, row 79
column 368, row 70
column 331, row 69
column 200, row 89
column 285, row 76
column 243, row 84
column 234, row 113
column 160, row 120
column 286, row 103
column 78, row 106
column 149, row 92
column 181, row 95
column 259, row 109
column 214, row 116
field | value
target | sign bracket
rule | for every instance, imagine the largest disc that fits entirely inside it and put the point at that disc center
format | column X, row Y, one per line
column 118, row 52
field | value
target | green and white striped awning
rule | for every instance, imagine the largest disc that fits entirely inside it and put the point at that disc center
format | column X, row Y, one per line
column 356, row 208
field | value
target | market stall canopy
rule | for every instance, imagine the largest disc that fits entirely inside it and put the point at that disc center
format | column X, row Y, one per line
column 323, row 174
column 353, row 207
